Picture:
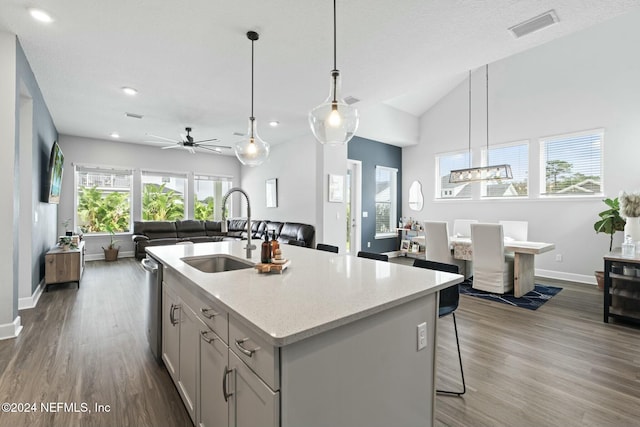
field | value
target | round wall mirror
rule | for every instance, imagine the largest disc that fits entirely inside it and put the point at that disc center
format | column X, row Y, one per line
column 415, row 196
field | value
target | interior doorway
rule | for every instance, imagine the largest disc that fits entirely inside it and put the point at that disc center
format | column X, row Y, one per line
column 354, row 206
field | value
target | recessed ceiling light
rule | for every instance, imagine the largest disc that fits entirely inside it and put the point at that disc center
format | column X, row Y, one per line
column 129, row 91
column 274, row 123
column 115, row 135
column 40, row 15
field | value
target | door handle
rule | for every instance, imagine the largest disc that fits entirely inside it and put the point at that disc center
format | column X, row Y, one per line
column 172, row 316
column 224, row 384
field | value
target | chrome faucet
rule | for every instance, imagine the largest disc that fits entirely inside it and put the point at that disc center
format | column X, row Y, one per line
column 249, row 246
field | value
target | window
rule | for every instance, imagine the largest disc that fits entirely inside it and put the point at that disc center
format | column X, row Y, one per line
column 103, row 199
column 571, row 165
column 163, row 196
column 517, row 156
column 208, row 192
column 386, row 201
column 445, row 163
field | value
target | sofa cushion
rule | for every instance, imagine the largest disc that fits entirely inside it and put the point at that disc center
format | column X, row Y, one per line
column 274, row 226
column 297, row 231
column 213, row 228
column 236, row 225
column 156, row 229
column 190, row 228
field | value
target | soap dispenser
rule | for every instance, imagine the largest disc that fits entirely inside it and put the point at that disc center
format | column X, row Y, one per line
column 265, row 254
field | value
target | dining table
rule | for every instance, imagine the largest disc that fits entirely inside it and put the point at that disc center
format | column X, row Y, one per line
column 523, row 260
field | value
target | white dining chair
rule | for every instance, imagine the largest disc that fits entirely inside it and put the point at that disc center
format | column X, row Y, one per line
column 515, row 230
column 462, row 227
column 437, row 244
column 492, row 267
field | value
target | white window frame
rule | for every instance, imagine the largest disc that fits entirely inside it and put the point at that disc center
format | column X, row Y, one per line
column 217, row 214
column 393, row 208
column 543, row 166
column 79, row 168
column 163, row 173
column 438, row 180
column 485, row 158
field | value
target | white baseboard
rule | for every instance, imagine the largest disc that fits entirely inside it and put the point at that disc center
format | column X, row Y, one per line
column 570, row 277
column 32, row 301
column 100, row 257
column 11, row 330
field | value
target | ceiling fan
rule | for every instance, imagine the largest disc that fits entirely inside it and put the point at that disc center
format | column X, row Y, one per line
column 189, row 144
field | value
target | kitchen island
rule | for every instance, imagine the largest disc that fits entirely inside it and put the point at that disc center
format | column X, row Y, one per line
column 333, row 340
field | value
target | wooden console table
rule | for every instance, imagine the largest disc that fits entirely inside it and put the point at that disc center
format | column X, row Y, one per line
column 621, row 301
column 64, row 266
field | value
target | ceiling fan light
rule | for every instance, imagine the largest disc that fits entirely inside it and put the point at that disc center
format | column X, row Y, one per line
column 252, row 150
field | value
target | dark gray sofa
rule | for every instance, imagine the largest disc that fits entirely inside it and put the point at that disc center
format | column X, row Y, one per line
column 159, row 233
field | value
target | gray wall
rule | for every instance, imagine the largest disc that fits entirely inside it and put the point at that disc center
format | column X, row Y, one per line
column 372, row 154
column 583, row 81
column 86, row 151
column 43, row 233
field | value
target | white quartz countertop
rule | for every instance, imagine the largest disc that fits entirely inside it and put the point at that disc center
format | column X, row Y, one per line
column 318, row 292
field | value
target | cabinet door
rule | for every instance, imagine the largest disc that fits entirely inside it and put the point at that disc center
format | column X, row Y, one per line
column 170, row 331
column 212, row 408
column 253, row 403
column 188, row 358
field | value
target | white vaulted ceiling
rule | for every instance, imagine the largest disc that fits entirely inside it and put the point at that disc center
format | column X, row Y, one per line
column 190, row 59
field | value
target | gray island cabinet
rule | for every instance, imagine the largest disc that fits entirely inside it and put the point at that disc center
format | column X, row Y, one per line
column 332, row 341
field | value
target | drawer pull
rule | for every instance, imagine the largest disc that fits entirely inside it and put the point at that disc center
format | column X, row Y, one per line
column 224, row 384
column 245, row 350
column 205, row 336
column 208, row 313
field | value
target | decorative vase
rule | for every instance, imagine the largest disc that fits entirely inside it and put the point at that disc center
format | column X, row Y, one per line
column 632, row 228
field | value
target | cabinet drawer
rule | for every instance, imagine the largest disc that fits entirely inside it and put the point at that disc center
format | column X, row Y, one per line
column 206, row 310
column 260, row 356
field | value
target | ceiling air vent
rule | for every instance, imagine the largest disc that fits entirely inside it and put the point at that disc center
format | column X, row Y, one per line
column 534, row 24
column 351, row 100
column 133, row 116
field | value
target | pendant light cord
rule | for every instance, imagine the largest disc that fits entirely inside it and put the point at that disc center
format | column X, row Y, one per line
column 335, row 61
column 469, row 159
column 487, row 74
column 252, row 79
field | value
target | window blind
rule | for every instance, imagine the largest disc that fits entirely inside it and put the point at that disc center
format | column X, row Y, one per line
column 572, row 164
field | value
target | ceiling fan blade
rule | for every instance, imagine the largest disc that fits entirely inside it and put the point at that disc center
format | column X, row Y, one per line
column 191, row 150
column 204, row 147
column 168, row 147
column 205, row 140
column 160, row 137
column 213, row 145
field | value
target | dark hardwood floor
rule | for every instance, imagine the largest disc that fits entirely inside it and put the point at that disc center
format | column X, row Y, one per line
column 89, row 346
column 557, row 366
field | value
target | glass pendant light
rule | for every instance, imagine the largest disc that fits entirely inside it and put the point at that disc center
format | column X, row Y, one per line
column 334, row 121
column 252, row 150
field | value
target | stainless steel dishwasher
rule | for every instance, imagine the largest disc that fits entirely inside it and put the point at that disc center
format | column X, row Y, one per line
column 153, row 320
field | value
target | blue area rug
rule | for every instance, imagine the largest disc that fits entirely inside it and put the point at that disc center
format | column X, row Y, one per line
column 532, row 300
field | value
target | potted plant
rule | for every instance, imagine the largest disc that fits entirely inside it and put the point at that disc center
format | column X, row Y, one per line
column 610, row 221
column 65, row 243
column 111, row 251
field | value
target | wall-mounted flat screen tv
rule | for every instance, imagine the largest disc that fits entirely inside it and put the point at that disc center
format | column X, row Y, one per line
column 56, row 163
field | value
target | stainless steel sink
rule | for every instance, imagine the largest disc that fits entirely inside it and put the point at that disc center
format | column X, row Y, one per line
column 217, row 263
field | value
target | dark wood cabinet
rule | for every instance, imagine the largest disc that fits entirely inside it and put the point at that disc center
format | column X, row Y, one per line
column 621, row 287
